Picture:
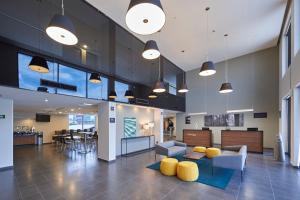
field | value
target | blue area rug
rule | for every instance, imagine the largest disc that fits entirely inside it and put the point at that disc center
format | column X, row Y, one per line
column 220, row 177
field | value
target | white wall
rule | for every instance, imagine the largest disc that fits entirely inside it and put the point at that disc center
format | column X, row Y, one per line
column 289, row 81
column 143, row 116
column 57, row 122
column 197, row 122
column 6, row 130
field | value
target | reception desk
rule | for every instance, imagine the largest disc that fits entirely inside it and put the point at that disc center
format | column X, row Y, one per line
column 197, row 137
column 253, row 139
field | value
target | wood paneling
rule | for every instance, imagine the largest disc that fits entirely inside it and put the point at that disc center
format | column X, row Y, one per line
column 197, row 137
column 22, row 140
column 253, row 139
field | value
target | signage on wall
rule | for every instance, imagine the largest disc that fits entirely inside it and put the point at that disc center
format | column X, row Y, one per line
column 112, row 120
column 2, row 116
column 188, row 120
column 112, row 108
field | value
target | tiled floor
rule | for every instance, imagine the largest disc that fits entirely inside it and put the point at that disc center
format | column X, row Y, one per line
column 44, row 173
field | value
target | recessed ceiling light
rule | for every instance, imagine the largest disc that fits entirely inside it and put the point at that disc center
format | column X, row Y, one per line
column 72, row 110
column 60, row 112
column 87, row 104
column 85, row 46
column 46, row 100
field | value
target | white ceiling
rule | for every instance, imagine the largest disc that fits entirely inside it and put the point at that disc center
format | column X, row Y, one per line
column 34, row 102
column 251, row 24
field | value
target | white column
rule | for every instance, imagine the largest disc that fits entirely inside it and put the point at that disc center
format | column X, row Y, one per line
column 6, row 130
column 158, row 126
column 107, row 131
column 295, row 137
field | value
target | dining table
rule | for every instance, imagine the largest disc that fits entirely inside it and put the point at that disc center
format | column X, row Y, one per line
column 85, row 134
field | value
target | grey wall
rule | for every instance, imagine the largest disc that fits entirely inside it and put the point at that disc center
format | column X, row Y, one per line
column 254, row 78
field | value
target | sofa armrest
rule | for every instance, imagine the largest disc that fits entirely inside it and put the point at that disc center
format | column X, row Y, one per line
column 161, row 150
column 229, row 161
column 181, row 144
column 232, row 148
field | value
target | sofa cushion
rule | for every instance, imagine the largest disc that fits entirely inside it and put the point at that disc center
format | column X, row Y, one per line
column 176, row 150
column 167, row 144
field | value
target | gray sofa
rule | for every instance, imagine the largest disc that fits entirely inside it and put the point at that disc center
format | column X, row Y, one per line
column 170, row 148
column 234, row 157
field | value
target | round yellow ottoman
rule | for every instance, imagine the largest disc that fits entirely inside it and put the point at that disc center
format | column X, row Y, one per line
column 187, row 171
column 168, row 166
column 212, row 152
column 199, row 149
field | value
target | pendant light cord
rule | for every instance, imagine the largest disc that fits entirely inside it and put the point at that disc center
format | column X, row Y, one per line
column 226, row 57
column 159, row 69
column 207, row 9
column 62, row 7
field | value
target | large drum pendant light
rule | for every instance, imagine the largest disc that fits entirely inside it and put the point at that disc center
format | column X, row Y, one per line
column 152, row 95
column 226, row 87
column 129, row 94
column 112, row 94
column 61, row 29
column 145, row 17
column 183, row 87
column 39, row 64
column 208, row 67
column 95, row 78
column 159, row 86
column 151, row 50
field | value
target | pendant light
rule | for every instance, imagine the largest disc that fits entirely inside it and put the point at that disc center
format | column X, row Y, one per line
column 152, row 95
column 208, row 67
column 145, row 17
column 61, row 29
column 95, row 78
column 129, row 93
column 226, row 87
column 183, row 87
column 112, row 94
column 38, row 63
column 151, row 50
column 159, row 86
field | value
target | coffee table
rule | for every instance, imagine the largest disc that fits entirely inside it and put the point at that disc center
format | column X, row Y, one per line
column 194, row 155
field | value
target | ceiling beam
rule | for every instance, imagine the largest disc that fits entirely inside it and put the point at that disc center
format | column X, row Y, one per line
column 286, row 13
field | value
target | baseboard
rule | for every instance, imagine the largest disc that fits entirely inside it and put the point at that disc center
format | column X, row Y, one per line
column 107, row 161
column 6, row 168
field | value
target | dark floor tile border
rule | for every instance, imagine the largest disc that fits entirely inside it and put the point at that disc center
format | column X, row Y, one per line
column 6, row 168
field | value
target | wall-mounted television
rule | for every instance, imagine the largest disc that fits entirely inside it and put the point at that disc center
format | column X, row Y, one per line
column 42, row 118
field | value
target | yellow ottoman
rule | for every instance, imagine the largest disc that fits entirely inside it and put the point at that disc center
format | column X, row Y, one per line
column 199, row 149
column 168, row 166
column 212, row 152
column 187, row 171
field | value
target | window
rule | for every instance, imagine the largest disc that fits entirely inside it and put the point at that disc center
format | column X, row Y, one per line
column 29, row 79
column 288, row 41
column 120, row 89
column 73, row 77
column 82, row 121
column 172, row 89
column 98, row 91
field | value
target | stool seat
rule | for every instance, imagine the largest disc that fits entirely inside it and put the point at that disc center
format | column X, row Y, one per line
column 168, row 166
column 212, row 152
column 187, row 171
column 199, row 149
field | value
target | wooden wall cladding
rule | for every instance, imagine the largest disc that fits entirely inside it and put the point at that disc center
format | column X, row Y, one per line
column 197, row 137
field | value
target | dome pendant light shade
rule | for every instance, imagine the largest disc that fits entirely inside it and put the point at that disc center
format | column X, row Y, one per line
column 152, row 95
column 129, row 94
column 39, row 64
column 159, row 87
column 207, row 69
column 61, row 29
column 226, row 88
column 183, row 88
column 151, row 50
column 42, row 89
column 112, row 94
column 145, row 17
column 95, row 78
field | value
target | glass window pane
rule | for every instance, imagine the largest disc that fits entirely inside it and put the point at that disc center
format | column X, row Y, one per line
column 73, row 77
column 120, row 89
column 89, row 121
column 29, row 79
column 98, row 91
column 75, row 122
column 172, row 89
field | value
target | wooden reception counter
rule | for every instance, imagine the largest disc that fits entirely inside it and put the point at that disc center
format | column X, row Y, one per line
column 253, row 139
column 197, row 137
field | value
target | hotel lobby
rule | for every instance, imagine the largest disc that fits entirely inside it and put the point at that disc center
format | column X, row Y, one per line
column 150, row 99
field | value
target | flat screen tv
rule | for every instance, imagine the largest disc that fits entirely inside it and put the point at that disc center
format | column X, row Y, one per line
column 42, row 118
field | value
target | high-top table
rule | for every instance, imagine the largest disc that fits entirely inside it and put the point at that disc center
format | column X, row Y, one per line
column 85, row 134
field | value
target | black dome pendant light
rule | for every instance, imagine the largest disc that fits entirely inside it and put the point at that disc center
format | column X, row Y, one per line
column 95, row 78
column 38, row 63
column 145, row 17
column 183, row 87
column 152, row 95
column 129, row 93
column 208, row 67
column 151, row 50
column 112, row 94
column 159, row 86
column 61, row 29
column 226, row 87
